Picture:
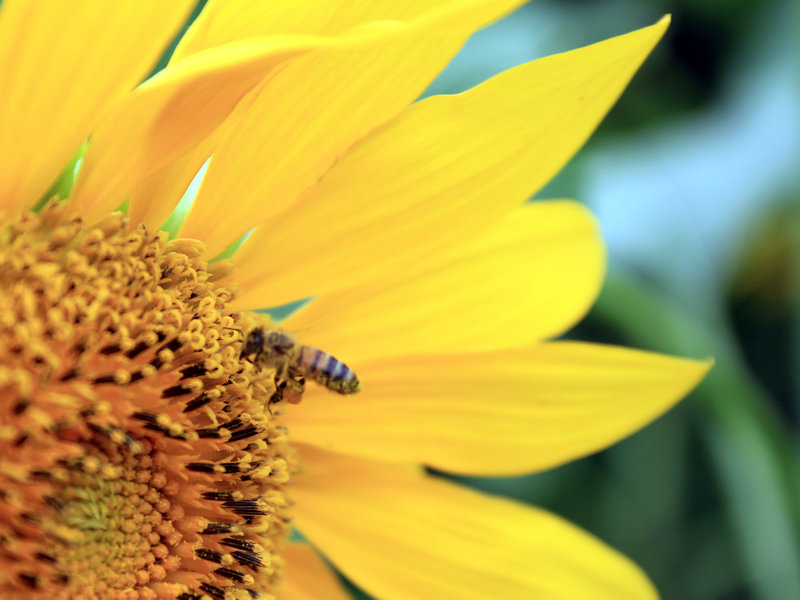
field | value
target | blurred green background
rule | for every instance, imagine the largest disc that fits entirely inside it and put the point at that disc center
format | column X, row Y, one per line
column 694, row 179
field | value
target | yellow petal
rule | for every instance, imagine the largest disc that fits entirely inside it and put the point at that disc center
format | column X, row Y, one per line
column 152, row 201
column 529, row 276
column 314, row 109
column 496, row 413
column 223, row 21
column 171, row 113
column 441, row 169
column 307, row 577
column 402, row 535
column 63, row 64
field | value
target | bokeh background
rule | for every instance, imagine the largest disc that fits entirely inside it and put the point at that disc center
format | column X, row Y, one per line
column 694, row 179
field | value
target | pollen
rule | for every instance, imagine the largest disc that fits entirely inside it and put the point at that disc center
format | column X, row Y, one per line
column 140, row 457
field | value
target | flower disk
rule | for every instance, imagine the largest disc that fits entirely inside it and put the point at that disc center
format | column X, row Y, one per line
column 137, row 460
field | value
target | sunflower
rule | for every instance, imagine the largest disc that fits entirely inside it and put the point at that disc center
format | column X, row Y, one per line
column 147, row 454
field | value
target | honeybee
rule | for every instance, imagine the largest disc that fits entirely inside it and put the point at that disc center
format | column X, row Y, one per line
column 293, row 362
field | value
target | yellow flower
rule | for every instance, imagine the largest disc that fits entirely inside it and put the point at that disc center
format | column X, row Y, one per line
column 142, row 456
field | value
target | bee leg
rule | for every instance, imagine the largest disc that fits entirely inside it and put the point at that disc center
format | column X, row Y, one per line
column 294, row 386
column 296, row 382
column 276, row 397
column 282, row 376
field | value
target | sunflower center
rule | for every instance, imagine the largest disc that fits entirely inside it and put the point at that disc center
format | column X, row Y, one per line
column 140, row 457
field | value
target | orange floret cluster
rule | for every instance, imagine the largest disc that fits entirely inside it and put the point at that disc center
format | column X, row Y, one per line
column 140, row 457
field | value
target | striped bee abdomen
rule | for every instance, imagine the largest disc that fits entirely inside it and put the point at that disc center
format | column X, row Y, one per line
column 327, row 370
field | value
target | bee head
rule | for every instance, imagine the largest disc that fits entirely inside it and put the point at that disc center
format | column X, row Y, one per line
column 253, row 342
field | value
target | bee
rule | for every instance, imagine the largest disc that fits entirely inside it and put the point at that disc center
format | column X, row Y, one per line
column 293, row 362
